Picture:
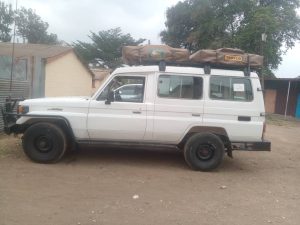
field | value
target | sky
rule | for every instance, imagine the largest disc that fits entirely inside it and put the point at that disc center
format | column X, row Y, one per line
column 73, row 20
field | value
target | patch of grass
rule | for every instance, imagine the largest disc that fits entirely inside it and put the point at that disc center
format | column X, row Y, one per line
column 9, row 145
column 281, row 120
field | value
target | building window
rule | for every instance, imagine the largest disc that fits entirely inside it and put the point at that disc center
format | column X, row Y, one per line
column 174, row 86
column 19, row 68
column 230, row 88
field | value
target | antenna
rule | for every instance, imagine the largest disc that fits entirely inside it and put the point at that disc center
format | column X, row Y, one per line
column 13, row 51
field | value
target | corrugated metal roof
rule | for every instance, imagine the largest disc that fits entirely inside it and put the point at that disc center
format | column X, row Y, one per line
column 22, row 50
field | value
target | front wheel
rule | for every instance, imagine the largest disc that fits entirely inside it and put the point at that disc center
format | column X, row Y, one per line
column 44, row 143
column 204, row 151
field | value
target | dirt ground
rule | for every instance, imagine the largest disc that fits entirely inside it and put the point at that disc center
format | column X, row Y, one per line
column 123, row 186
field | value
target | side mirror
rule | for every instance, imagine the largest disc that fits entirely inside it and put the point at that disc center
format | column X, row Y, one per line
column 110, row 97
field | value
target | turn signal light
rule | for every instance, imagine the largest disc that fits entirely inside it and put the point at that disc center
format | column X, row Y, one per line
column 22, row 109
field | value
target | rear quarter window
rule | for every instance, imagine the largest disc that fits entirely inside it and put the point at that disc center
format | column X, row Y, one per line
column 231, row 88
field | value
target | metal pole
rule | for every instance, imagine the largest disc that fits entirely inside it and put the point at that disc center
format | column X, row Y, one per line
column 263, row 40
column 287, row 99
column 13, row 50
column 262, row 71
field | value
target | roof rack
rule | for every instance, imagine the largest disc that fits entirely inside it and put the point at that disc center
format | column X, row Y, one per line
column 206, row 66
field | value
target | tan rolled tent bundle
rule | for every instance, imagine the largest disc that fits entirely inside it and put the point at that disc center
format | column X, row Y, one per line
column 147, row 54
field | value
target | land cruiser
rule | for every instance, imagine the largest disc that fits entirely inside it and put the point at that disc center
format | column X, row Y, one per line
column 203, row 112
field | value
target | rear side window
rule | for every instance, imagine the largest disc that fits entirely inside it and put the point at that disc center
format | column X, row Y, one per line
column 231, row 88
column 173, row 86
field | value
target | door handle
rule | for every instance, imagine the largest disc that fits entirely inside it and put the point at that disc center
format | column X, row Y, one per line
column 244, row 118
column 196, row 114
column 136, row 112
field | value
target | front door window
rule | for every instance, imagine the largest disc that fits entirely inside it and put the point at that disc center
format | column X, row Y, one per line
column 124, row 89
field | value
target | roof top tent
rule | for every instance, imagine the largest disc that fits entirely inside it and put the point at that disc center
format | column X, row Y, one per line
column 163, row 55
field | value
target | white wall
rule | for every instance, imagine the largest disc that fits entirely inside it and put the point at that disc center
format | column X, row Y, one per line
column 66, row 76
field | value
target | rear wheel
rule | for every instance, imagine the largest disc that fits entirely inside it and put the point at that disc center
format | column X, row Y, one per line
column 204, row 151
column 44, row 142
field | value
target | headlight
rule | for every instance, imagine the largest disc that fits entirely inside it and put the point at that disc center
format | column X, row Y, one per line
column 22, row 109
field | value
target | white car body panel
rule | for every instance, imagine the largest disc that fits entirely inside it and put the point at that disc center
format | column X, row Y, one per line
column 75, row 110
column 116, row 121
column 173, row 116
column 224, row 113
column 156, row 119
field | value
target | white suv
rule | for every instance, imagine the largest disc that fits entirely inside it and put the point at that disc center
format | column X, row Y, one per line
column 205, row 115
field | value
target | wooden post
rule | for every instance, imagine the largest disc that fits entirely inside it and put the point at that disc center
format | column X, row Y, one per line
column 287, row 99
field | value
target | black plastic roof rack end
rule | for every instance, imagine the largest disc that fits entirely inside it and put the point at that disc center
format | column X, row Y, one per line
column 162, row 66
column 207, row 69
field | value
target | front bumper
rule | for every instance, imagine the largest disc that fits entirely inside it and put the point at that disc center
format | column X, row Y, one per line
column 9, row 116
column 252, row 146
column 10, row 125
column 11, row 128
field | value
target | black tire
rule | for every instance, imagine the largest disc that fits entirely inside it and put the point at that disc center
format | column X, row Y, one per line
column 204, row 151
column 44, row 143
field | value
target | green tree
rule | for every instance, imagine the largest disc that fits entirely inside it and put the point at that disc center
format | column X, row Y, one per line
column 6, row 20
column 32, row 28
column 200, row 24
column 105, row 48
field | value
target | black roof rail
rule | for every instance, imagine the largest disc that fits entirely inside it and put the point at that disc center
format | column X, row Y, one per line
column 206, row 66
